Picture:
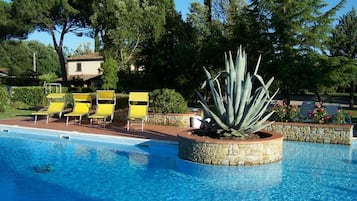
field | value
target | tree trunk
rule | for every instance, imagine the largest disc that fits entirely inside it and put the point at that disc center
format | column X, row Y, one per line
column 59, row 49
column 352, row 93
column 62, row 63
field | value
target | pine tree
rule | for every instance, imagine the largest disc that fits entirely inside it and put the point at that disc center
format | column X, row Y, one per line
column 343, row 43
column 297, row 31
column 54, row 17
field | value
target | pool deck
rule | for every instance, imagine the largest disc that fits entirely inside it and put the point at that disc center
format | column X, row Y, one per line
column 157, row 132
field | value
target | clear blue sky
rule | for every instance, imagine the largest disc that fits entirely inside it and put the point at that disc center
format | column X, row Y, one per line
column 72, row 41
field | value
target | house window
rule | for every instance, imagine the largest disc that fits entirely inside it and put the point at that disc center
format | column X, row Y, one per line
column 79, row 67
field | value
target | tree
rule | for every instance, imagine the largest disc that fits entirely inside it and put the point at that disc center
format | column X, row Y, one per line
column 197, row 19
column 110, row 71
column 110, row 77
column 18, row 57
column 57, row 17
column 82, row 49
column 11, row 27
column 298, row 32
column 343, row 45
column 208, row 35
column 170, row 55
column 123, row 25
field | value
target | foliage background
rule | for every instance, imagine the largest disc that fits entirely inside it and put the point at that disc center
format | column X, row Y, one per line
column 298, row 41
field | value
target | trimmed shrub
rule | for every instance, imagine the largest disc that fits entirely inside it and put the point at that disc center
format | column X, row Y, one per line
column 167, row 101
column 4, row 99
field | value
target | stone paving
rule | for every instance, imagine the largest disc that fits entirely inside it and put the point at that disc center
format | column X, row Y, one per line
column 116, row 128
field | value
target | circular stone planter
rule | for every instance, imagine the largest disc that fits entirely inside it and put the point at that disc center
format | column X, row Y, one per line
column 231, row 152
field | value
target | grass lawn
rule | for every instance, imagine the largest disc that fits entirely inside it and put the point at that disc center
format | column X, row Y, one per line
column 15, row 113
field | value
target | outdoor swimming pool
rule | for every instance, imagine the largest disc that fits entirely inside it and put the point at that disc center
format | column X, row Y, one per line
column 43, row 165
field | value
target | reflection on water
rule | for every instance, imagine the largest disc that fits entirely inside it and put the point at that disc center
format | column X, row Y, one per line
column 238, row 178
column 235, row 177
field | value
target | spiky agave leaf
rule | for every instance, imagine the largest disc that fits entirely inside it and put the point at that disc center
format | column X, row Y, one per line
column 238, row 111
column 216, row 95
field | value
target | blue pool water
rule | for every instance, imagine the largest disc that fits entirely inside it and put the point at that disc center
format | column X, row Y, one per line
column 42, row 165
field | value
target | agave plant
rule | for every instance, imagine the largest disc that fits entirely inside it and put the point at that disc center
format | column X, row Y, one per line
column 238, row 111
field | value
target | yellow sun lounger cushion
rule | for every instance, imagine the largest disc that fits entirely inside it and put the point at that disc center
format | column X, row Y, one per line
column 104, row 111
column 53, row 107
column 138, row 107
column 82, row 105
column 106, row 102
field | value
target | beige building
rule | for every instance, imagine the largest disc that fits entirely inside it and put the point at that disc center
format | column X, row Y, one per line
column 84, row 67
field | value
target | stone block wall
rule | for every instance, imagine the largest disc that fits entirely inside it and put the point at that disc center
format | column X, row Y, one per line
column 230, row 152
column 318, row 133
column 180, row 120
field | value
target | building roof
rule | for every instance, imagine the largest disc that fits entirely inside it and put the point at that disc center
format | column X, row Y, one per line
column 94, row 56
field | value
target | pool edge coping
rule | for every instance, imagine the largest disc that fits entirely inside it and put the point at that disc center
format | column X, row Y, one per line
column 83, row 134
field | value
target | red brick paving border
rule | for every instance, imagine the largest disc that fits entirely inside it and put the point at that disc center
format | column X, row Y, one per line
column 116, row 128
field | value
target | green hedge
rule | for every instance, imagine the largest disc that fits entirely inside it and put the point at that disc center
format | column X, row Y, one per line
column 34, row 96
column 4, row 99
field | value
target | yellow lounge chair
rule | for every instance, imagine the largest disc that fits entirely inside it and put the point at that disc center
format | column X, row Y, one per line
column 138, row 107
column 56, row 106
column 106, row 101
column 82, row 105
